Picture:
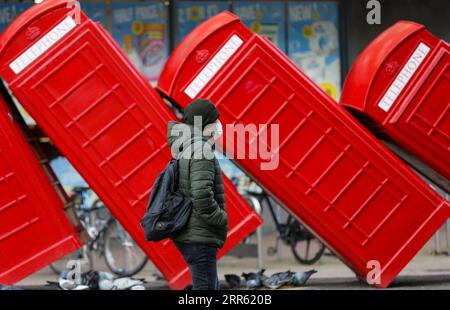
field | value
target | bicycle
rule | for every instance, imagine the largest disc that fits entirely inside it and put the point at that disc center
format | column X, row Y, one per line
column 121, row 254
column 305, row 247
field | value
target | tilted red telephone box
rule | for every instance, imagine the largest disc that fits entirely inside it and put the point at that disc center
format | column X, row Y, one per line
column 401, row 83
column 103, row 116
column 332, row 173
column 34, row 230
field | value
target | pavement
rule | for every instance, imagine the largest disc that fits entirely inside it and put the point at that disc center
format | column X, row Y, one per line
column 425, row 271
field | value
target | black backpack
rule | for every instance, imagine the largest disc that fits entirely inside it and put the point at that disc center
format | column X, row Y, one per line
column 168, row 209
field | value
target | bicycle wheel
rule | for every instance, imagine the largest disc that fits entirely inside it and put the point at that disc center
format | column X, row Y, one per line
column 306, row 248
column 122, row 255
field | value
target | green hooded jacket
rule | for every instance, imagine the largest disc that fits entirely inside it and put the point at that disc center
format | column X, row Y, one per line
column 200, row 178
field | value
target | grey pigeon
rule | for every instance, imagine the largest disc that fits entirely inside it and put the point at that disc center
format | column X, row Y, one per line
column 253, row 280
column 253, row 275
column 300, row 278
column 253, row 284
column 279, row 279
column 91, row 279
column 67, row 284
column 126, row 283
column 233, row 280
column 105, row 285
column 106, row 281
column 64, row 273
column 66, row 279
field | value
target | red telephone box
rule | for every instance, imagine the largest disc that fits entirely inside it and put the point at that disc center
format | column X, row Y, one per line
column 333, row 174
column 34, row 230
column 103, row 116
column 401, row 83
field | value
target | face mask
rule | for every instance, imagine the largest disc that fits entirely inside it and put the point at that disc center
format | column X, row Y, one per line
column 219, row 131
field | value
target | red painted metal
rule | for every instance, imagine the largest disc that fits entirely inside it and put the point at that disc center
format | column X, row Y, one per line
column 34, row 230
column 401, row 82
column 104, row 117
column 333, row 174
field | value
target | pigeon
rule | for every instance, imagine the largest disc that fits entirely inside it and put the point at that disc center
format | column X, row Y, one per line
column 233, row 280
column 91, row 279
column 106, row 281
column 253, row 284
column 105, row 285
column 252, row 275
column 300, row 278
column 279, row 279
column 67, row 280
column 253, row 280
column 64, row 273
column 126, row 283
column 66, row 284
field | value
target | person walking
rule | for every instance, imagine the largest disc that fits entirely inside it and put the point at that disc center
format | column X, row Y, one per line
column 200, row 178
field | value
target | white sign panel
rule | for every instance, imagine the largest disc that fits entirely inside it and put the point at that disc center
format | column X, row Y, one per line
column 213, row 66
column 403, row 77
column 41, row 46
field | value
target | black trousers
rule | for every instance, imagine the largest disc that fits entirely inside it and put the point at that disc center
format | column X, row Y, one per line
column 202, row 262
